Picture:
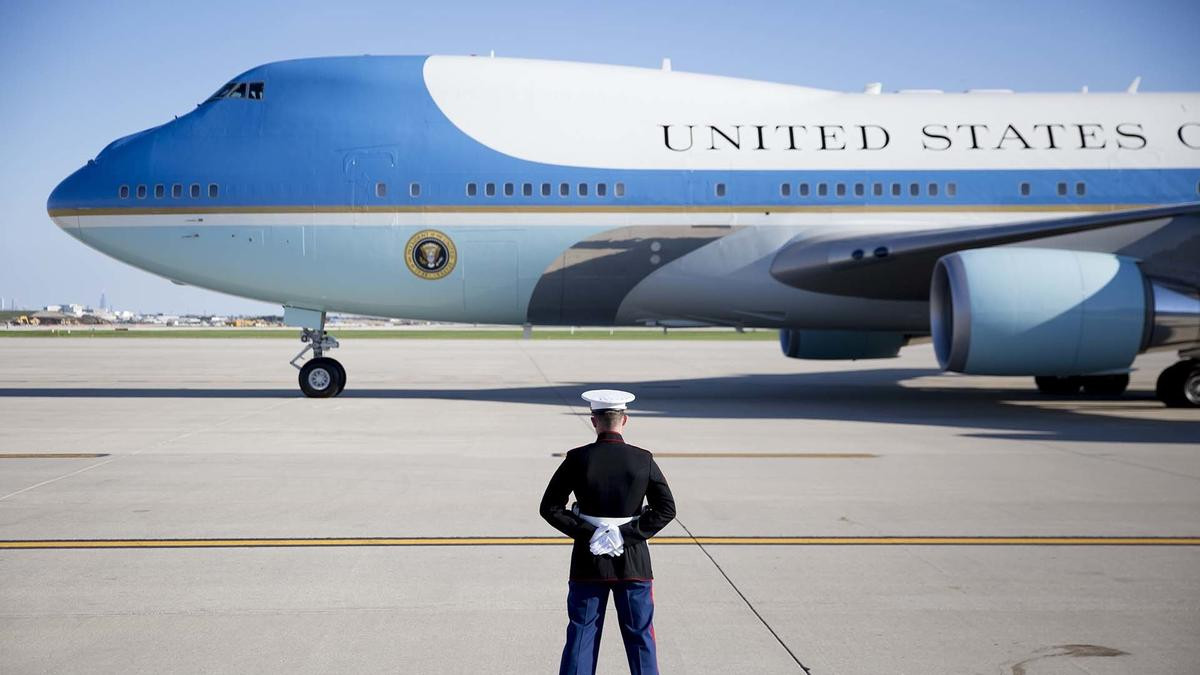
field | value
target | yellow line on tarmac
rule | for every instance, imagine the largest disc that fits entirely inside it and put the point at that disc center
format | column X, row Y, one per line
column 554, row 541
column 51, row 455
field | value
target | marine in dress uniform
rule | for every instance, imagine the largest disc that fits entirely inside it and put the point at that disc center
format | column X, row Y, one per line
column 610, row 526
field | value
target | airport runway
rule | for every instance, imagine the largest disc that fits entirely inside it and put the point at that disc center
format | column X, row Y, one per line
column 176, row 505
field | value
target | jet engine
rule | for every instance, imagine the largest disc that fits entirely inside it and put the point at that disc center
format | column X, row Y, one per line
column 1049, row 312
column 840, row 344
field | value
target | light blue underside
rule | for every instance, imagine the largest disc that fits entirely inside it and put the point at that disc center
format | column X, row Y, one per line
column 349, row 269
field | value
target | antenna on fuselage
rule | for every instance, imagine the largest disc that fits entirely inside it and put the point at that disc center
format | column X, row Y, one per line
column 666, row 65
column 1133, row 86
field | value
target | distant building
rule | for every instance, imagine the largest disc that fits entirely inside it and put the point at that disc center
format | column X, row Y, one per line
column 52, row 318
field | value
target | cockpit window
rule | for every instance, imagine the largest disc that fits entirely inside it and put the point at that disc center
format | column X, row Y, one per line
column 250, row 90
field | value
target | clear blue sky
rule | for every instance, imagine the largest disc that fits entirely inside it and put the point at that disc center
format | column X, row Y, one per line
column 75, row 75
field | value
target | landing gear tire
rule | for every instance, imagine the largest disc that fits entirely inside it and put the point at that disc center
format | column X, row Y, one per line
column 1105, row 385
column 1179, row 385
column 341, row 376
column 1058, row 386
column 321, row 378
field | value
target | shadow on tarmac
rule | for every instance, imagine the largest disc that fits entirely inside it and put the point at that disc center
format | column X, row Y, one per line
column 874, row 395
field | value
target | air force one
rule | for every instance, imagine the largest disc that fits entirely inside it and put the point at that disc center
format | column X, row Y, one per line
column 1046, row 235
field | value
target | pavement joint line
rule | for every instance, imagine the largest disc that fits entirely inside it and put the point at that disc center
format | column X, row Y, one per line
column 318, row 542
column 52, row 455
column 553, row 386
column 155, row 444
column 756, row 455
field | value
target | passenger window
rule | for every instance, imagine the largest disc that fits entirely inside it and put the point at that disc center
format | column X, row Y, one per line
column 877, row 189
column 583, row 189
column 859, row 189
column 213, row 191
column 160, row 191
column 564, row 189
column 141, row 192
column 914, row 189
column 1080, row 189
column 526, row 189
column 381, row 189
column 489, row 189
column 822, row 189
column 1062, row 189
column 785, row 189
column 895, row 189
column 933, row 189
column 951, row 189
column 619, row 189
column 1024, row 189
column 545, row 189
column 508, row 190
column 176, row 191
column 720, row 189
column 414, row 189
column 256, row 91
column 123, row 192
column 841, row 189
column 472, row 189
column 803, row 189
column 194, row 191
column 601, row 189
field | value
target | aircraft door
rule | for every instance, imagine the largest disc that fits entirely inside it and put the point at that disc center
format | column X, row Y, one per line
column 370, row 178
column 490, row 271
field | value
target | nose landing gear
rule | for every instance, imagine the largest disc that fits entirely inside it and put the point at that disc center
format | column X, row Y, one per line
column 320, row 376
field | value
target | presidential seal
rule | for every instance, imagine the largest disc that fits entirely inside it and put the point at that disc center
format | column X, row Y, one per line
column 430, row 254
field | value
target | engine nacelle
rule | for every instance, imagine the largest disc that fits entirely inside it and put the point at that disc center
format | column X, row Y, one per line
column 840, row 344
column 1029, row 311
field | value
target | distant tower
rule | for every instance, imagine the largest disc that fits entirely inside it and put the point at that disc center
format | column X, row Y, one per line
column 103, row 301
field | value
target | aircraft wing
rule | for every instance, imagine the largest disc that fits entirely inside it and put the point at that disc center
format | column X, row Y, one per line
column 898, row 266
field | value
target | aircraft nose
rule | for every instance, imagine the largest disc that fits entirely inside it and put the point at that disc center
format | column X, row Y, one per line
column 65, row 200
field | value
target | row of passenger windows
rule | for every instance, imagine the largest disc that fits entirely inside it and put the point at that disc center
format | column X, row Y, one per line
column 601, row 189
column 859, row 189
column 160, row 191
column 545, row 189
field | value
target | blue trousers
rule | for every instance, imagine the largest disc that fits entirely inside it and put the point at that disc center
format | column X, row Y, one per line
column 586, row 602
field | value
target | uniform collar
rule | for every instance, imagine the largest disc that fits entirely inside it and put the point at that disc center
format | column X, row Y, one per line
column 609, row 437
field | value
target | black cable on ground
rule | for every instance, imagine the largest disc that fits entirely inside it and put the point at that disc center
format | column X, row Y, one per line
column 745, row 599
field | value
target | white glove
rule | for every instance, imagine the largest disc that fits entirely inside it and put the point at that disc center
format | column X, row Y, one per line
column 607, row 540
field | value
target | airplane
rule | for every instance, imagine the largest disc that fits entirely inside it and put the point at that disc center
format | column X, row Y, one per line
column 1052, row 235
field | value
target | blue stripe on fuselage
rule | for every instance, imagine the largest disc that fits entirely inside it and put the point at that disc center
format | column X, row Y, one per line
column 328, row 129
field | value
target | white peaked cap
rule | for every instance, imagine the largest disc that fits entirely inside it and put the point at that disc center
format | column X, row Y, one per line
column 607, row 399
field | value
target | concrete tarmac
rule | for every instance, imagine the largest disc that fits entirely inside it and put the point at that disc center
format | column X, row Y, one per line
column 210, row 439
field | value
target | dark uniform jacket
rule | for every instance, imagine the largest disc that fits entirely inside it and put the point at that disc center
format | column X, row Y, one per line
column 610, row 479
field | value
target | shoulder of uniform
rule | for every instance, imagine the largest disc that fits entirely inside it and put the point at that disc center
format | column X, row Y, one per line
column 576, row 451
column 641, row 450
